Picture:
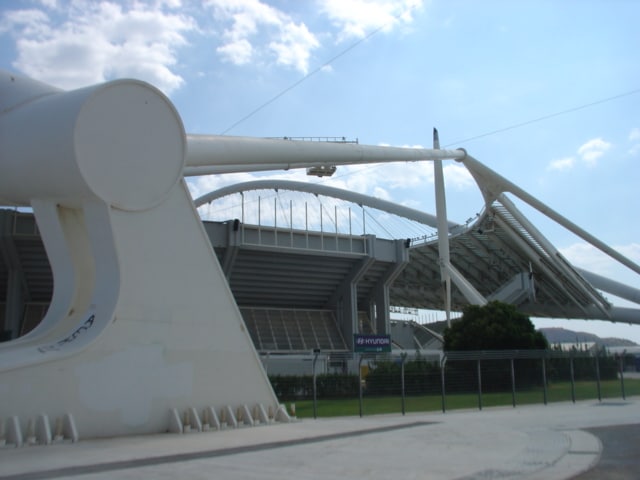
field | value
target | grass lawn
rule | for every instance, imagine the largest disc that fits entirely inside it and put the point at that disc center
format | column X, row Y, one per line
column 556, row 392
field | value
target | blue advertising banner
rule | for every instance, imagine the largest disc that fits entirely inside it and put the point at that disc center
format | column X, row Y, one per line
column 371, row 343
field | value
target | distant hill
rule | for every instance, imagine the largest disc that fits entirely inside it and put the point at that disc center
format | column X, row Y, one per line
column 562, row 335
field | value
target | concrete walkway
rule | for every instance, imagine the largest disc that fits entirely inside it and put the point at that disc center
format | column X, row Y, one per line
column 558, row 441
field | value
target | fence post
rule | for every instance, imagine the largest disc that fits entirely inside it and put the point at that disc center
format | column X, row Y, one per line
column 443, row 361
column 598, row 375
column 479, row 386
column 622, row 373
column 403, row 357
column 544, row 379
column 513, row 384
column 316, row 352
column 573, row 383
column 361, row 357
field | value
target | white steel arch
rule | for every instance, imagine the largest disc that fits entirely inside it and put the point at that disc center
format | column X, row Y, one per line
column 315, row 188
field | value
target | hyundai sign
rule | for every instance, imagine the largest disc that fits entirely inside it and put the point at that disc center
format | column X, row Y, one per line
column 371, row 343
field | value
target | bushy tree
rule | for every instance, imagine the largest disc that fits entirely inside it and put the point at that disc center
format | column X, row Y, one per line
column 494, row 326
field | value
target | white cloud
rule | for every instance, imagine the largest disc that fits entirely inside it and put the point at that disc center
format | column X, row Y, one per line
column 32, row 22
column 293, row 47
column 587, row 256
column 562, row 164
column 381, row 193
column 95, row 42
column 588, row 153
column 358, row 18
column 73, row 43
column 290, row 43
column 49, row 3
column 238, row 51
column 402, row 175
column 592, row 150
column 458, row 177
column 634, row 136
column 360, row 179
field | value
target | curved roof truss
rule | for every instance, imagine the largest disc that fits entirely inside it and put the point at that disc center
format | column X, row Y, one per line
column 317, row 189
column 501, row 254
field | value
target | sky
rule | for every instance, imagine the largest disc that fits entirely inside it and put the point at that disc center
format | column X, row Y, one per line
column 546, row 93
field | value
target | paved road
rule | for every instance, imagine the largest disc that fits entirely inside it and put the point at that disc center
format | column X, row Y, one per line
column 620, row 458
column 600, row 439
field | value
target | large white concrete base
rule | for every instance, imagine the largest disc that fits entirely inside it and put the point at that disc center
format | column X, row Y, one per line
column 142, row 322
column 176, row 339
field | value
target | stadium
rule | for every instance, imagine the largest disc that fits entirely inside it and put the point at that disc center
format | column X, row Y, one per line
column 121, row 308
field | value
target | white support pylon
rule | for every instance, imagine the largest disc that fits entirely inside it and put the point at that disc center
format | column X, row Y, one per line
column 443, row 228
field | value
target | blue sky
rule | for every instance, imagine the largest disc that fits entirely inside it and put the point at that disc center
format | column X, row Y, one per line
column 547, row 93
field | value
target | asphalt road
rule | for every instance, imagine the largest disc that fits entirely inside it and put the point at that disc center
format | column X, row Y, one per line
column 620, row 459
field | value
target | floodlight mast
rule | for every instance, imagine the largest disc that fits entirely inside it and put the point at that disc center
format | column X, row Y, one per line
column 216, row 154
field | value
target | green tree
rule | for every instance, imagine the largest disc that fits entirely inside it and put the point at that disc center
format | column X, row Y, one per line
column 494, row 326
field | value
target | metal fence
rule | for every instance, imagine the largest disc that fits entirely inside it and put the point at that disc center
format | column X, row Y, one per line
column 462, row 380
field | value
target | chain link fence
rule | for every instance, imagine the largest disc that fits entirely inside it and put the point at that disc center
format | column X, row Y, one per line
column 415, row 381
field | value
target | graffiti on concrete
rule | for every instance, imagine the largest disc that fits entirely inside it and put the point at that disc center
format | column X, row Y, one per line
column 88, row 323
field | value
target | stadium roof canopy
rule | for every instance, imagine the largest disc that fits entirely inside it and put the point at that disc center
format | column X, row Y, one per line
column 499, row 255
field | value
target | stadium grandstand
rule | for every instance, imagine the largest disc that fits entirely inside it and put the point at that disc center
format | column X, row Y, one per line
column 310, row 266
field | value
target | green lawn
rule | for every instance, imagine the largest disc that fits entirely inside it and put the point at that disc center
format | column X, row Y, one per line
column 556, row 392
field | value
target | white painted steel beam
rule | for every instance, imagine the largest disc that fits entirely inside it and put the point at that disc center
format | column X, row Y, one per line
column 558, row 260
column 466, row 288
column 214, row 154
column 443, row 231
column 611, row 286
column 492, row 185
